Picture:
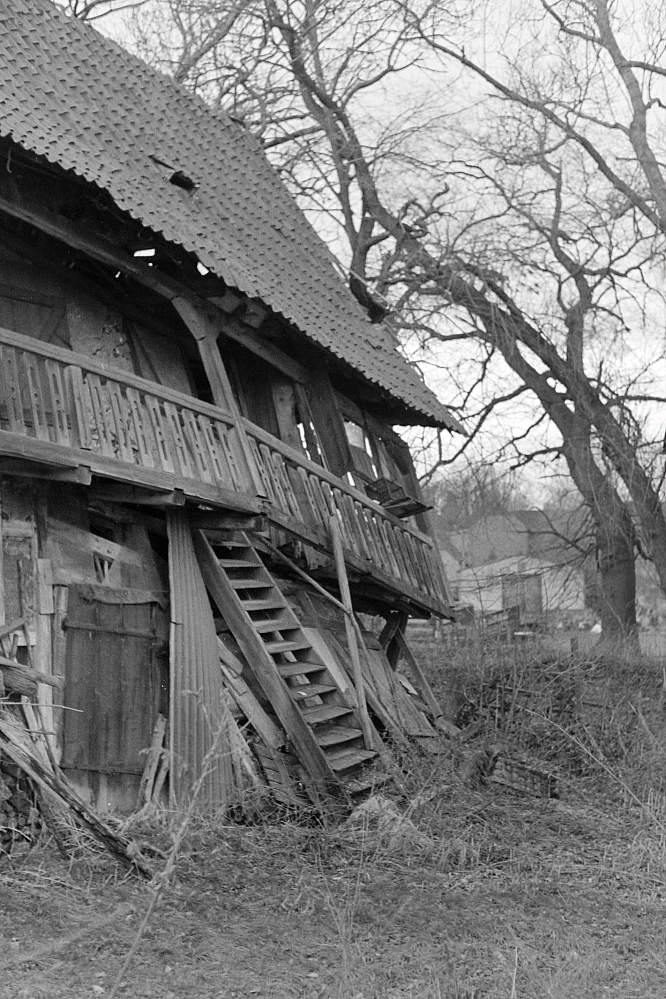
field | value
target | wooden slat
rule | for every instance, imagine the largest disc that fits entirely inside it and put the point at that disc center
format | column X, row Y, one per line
column 141, row 440
column 118, row 413
column 12, row 391
column 80, row 405
column 101, row 430
column 32, row 382
column 161, row 437
column 58, row 402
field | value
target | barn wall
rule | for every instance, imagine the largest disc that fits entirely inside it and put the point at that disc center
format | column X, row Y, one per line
column 36, row 303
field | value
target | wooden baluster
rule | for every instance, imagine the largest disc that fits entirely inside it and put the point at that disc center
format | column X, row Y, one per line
column 80, row 407
column 324, row 506
column 103, row 429
column 281, row 464
column 58, row 400
column 309, row 502
column 196, row 446
column 158, row 425
column 420, row 562
column 367, row 529
column 272, row 487
column 336, row 501
column 349, row 526
column 33, row 382
column 182, row 457
column 140, row 442
column 12, row 391
column 382, row 527
column 213, row 449
column 245, row 478
column 402, row 542
column 119, row 411
column 399, row 554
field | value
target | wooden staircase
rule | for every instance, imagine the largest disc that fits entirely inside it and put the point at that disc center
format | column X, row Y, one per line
column 319, row 719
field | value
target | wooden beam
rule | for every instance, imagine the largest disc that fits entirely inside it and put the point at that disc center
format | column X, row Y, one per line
column 213, row 521
column 206, row 332
column 96, row 247
column 81, row 474
column 116, row 493
column 235, row 329
column 352, row 644
column 328, row 422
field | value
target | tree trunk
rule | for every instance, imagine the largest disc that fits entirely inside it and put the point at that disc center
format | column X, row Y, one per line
column 617, row 588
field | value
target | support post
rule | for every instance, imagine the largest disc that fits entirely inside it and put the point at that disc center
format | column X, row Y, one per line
column 204, row 332
column 357, row 671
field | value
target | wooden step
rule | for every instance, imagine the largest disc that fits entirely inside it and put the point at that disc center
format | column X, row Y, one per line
column 274, row 624
column 285, row 645
column 311, row 690
column 337, row 734
column 250, row 584
column 324, row 713
column 254, row 605
column 348, row 758
column 300, row 669
column 238, row 563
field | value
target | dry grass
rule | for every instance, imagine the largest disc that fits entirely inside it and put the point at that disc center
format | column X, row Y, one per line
column 500, row 897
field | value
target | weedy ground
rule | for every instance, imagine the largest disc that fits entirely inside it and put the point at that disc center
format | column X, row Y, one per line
column 502, row 895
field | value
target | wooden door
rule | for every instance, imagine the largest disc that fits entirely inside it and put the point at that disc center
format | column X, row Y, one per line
column 113, row 684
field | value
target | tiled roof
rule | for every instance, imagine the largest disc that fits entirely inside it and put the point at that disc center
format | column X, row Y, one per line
column 82, row 102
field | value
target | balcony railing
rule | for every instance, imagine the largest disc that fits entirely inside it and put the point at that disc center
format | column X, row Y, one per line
column 73, row 411
column 304, row 496
column 64, row 410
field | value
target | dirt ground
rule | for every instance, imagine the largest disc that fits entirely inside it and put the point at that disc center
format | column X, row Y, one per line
column 506, row 896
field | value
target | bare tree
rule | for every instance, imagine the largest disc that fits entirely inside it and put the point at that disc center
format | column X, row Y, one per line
column 94, row 10
column 525, row 223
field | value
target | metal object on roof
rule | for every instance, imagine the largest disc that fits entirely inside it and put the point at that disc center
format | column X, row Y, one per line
column 85, row 104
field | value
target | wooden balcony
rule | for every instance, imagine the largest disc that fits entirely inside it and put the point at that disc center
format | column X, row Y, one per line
column 64, row 413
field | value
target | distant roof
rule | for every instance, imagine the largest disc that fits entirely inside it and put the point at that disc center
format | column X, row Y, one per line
column 84, row 103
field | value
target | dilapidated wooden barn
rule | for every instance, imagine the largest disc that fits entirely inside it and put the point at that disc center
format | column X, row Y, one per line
column 199, row 471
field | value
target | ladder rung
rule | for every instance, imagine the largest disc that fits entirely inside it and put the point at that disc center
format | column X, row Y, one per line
column 300, row 669
column 338, row 734
column 311, row 690
column 238, row 563
column 324, row 712
column 348, row 758
column 284, row 645
column 250, row 584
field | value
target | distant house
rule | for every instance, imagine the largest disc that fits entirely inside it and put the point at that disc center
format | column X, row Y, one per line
column 519, row 559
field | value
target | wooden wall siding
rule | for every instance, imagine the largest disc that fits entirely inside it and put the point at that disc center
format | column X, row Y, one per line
column 112, row 682
column 306, row 496
column 71, row 406
column 200, row 723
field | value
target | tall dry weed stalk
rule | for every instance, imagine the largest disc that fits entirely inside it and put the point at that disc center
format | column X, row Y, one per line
column 162, row 880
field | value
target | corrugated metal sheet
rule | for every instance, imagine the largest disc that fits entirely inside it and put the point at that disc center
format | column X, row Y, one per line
column 82, row 102
column 200, row 724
